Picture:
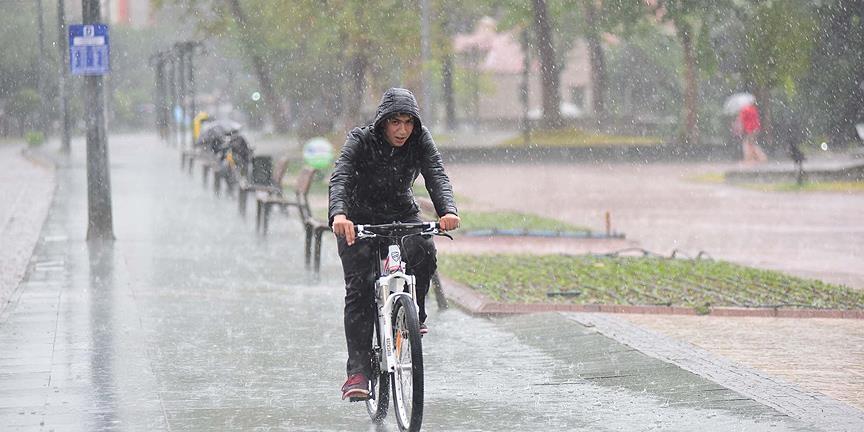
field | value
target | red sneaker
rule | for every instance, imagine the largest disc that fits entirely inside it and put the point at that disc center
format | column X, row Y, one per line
column 423, row 329
column 357, row 387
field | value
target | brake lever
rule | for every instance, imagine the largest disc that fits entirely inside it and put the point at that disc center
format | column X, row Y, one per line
column 444, row 234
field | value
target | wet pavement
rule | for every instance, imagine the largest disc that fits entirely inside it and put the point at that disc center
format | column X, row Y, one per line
column 190, row 322
column 819, row 354
column 664, row 206
column 26, row 187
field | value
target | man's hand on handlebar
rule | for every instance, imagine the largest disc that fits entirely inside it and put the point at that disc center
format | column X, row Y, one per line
column 343, row 227
column 448, row 222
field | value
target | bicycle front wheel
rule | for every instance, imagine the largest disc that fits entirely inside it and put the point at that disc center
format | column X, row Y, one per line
column 408, row 371
column 379, row 395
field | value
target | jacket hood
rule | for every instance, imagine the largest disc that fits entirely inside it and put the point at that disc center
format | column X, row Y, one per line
column 395, row 101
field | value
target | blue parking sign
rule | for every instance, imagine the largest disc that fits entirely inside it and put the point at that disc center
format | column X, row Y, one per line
column 88, row 49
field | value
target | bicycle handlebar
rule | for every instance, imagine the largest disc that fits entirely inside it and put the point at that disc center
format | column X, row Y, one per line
column 397, row 228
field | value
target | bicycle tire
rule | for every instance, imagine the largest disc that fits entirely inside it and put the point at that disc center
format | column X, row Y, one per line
column 379, row 398
column 407, row 379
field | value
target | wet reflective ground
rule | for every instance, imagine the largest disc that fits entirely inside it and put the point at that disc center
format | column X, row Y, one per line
column 189, row 322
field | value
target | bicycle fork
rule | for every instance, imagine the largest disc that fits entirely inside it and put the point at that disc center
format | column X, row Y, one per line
column 389, row 288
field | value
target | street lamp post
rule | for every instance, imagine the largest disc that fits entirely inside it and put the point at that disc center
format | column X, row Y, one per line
column 172, row 98
column 100, row 224
column 184, row 52
column 62, row 44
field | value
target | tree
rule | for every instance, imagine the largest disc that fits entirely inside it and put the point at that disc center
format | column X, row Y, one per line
column 777, row 50
column 451, row 17
column 279, row 113
column 834, row 87
column 20, row 67
column 549, row 68
column 220, row 18
column 691, row 20
column 602, row 16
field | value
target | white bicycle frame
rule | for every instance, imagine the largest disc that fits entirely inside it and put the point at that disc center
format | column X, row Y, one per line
column 390, row 286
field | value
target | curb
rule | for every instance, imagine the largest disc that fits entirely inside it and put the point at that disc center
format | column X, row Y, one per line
column 599, row 153
column 477, row 304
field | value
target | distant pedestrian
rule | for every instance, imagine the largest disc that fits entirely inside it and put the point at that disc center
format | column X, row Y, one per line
column 747, row 126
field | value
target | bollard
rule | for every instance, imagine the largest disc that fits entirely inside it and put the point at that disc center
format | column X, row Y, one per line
column 608, row 224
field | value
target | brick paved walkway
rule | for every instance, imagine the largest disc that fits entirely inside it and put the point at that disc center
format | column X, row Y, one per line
column 765, row 388
column 824, row 355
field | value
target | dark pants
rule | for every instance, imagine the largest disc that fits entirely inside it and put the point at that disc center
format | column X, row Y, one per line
column 360, row 265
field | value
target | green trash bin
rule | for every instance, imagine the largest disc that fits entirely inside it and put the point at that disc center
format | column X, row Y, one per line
column 318, row 153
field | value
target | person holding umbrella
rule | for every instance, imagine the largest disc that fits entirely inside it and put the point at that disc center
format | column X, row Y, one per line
column 746, row 126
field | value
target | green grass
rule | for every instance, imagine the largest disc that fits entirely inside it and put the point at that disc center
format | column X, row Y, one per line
column 834, row 186
column 473, row 221
column 640, row 281
column 826, row 186
column 712, row 178
column 504, row 220
column 580, row 138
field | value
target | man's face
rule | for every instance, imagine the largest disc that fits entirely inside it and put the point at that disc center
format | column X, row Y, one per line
column 398, row 128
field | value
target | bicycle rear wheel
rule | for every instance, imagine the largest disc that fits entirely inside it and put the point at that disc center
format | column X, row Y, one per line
column 408, row 373
column 379, row 393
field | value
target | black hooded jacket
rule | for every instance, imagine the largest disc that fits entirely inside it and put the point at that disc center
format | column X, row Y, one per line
column 372, row 179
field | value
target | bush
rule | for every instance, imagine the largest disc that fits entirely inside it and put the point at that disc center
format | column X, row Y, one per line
column 34, row 138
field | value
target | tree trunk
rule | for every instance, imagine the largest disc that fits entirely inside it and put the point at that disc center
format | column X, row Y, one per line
column 690, row 136
column 278, row 113
column 548, row 66
column 763, row 100
column 447, row 61
column 447, row 88
column 598, row 60
column 357, row 69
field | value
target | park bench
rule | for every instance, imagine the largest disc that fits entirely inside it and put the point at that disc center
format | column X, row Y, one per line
column 274, row 196
column 268, row 196
column 207, row 159
column 313, row 228
column 187, row 155
column 261, row 179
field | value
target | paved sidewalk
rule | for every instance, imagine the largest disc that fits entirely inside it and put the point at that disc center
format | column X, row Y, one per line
column 774, row 392
column 660, row 208
column 821, row 355
column 191, row 322
column 27, row 186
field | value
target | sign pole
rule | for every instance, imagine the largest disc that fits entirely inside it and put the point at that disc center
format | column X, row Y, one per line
column 100, row 225
column 65, row 136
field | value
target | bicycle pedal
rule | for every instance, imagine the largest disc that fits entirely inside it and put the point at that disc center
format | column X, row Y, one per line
column 358, row 399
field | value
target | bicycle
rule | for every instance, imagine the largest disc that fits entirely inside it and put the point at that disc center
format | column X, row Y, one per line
column 397, row 351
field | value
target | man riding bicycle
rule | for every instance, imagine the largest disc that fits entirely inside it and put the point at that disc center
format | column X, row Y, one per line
column 371, row 184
